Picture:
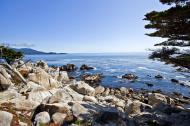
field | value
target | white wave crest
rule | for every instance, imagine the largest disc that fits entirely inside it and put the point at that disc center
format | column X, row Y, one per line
column 145, row 68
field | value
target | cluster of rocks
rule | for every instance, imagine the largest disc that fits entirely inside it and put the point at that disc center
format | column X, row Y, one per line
column 73, row 67
column 43, row 95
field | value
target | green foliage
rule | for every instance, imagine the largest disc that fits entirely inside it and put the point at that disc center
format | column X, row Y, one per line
column 169, row 2
column 9, row 54
column 163, row 53
column 182, row 60
column 78, row 122
column 174, row 25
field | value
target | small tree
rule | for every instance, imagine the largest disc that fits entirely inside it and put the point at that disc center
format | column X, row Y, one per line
column 9, row 54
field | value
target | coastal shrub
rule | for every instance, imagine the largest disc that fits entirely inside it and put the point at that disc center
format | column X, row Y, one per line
column 9, row 54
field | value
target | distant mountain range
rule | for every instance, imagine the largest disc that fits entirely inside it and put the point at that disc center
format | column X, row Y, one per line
column 29, row 51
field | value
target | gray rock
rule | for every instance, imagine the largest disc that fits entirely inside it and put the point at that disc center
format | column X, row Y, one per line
column 106, row 92
column 4, row 72
column 92, row 79
column 83, row 88
column 4, row 83
column 42, row 118
column 174, row 80
column 80, row 111
column 58, row 118
column 10, row 95
column 85, row 67
column 129, row 76
column 52, row 109
column 136, row 107
column 156, row 98
column 99, row 90
column 24, row 105
column 62, row 76
column 159, row 77
column 90, row 98
column 39, row 95
column 124, row 91
column 41, row 77
column 65, row 95
column 5, row 118
column 120, row 103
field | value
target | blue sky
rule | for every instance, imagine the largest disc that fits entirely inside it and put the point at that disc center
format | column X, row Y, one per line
column 77, row 25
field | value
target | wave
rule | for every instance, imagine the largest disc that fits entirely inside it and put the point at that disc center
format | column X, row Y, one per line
column 111, row 70
column 145, row 68
column 94, row 68
column 119, row 76
column 180, row 77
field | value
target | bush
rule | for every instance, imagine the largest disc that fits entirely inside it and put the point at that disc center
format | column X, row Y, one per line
column 9, row 54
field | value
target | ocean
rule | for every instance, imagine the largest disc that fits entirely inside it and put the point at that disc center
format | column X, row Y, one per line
column 114, row 65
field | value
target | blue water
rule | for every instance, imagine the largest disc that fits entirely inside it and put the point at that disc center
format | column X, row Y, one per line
column 114, row 65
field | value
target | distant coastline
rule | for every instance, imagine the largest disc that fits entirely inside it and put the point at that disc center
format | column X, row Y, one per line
column 29, row 51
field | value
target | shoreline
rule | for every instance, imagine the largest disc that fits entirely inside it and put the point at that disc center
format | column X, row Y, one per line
column 50, row 97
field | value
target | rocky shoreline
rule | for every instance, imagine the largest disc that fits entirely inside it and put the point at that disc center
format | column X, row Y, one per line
column 34, row 94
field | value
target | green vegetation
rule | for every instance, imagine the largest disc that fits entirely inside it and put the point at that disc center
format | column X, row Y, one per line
column 9, row 54
column 174, row 25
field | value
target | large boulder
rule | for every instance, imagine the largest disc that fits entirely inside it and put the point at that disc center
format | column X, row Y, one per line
column 4, row 72
column 65, row 95
column 42, row 118
column 106, row 92
column 59, row 118
column 129, row 76
column 62, row 76
column 43, row 78
column 85, row 67
column 92, row 79
column 109, row 99
column 99, row 90
column 124, row 91
column 68, row 67
column 52, row 108
column 39, row 94
column 90, row 99
column 83, row 88
column 10, row 95
column 120, row 103
column 5, row 81
column 136, row 107
column 31, row 87
column 5, row 118
column 156, row 98
column 24, row 105
column 79, row 111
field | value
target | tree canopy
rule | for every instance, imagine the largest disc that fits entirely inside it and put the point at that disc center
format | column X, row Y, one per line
column 169, row 2
column 173, row 23
column 9, row 54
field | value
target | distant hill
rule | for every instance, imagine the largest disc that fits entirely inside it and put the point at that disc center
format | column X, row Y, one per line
column 29, row 51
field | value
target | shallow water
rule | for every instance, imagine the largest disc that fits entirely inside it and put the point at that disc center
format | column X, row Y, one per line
column 114, row 65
